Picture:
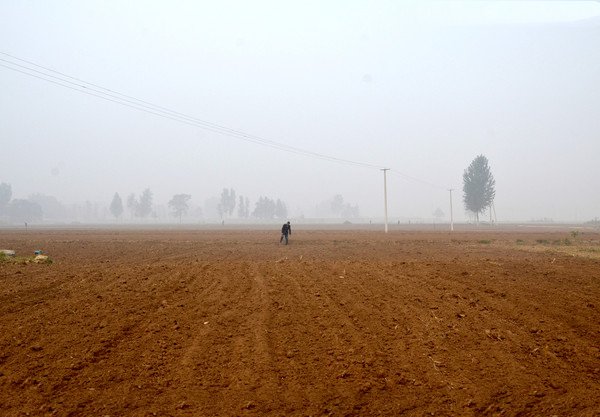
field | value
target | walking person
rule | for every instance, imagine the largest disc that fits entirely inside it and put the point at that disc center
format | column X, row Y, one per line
column 286, row 230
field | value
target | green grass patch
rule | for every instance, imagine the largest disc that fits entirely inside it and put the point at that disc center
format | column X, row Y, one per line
column 542, row 241
column 484, row 241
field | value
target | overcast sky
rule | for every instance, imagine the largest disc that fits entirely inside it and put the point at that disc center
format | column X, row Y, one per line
column 419, row 87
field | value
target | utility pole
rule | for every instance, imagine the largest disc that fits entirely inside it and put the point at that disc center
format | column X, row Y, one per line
column 385, row 197
column 451, row 214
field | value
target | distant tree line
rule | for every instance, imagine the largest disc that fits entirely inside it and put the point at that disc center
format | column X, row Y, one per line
column 141, row 207
column 337, row 207
column 267, row 208
column 342, row 209
column 179, row 205
column 39, row 207
column 18, row 210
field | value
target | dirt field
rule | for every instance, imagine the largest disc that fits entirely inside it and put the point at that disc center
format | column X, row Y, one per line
column 228, row 323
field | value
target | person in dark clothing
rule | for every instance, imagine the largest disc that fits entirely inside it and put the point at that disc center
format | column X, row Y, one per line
column 286, row 230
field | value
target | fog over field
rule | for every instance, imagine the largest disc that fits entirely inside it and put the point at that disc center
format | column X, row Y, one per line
column 421, row 88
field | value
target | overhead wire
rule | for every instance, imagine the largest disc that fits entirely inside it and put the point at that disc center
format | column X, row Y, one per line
column 82, row 86
column 173, row 115
column 415, row 179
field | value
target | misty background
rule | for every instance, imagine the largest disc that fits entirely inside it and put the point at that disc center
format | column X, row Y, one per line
column 418, row 87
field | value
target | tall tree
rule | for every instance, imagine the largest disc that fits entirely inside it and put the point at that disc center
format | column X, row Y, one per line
column 231, row 202
column 5, row 195
column 116, row 206
column 222, row 206
column 280, row 209
column 265, row 208
column 337, row 204
column 179, row 204
column 227, row 202
column 478, row 186
column 246, row 207
column 243, row 207
column 132, row 204
column 145, row 206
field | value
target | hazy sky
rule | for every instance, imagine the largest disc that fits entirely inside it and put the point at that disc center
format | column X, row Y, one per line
column 419, row 87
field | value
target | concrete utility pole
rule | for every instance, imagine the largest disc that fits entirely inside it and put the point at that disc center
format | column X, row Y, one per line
column 385, row 196
column 451, row 214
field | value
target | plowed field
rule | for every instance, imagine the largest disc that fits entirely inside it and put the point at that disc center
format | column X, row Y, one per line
column 230, row 323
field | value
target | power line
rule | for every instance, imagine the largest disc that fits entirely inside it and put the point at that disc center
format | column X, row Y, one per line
column 82, row 86
column 135, row 103
column 170, row 114
column 399, row 174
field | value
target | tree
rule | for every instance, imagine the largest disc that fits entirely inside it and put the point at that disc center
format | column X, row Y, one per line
column 246, row 207
column 145, row 206
column 116, row 206
column 5, row 195
column 51, row 207
column 231, row 202
column 243, row 207
column 179, row 204
column 280, row 209
column 337, row 204
column 438, row 213
column 350, row 211
column 227, row 203
column 478, row 186
column 339, row 208
column 24, row 211
column 241, row 212
column 265, row 208
column 132, row 204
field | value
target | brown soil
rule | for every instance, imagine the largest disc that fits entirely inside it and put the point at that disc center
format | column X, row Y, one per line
column 204, row 323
